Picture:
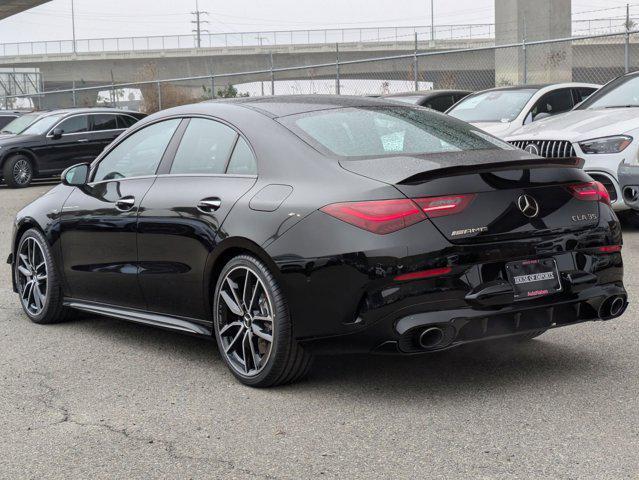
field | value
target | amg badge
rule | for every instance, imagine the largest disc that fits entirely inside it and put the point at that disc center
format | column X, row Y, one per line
column 468, row 231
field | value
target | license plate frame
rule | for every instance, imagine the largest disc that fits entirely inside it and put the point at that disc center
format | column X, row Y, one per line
column 533, row 278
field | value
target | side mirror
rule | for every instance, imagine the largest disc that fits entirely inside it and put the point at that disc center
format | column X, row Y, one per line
column 541, row 115
column 57, row 133
column 76, row 176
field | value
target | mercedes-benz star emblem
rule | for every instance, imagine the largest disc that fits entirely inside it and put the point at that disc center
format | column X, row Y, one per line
column 528, row 206
column 532, row 148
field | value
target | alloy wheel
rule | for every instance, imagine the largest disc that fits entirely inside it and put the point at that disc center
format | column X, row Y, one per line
column 32, row 276
column 245, row 321
column 22, row 172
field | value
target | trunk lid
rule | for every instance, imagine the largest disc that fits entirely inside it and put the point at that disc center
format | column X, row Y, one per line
column 505, row 199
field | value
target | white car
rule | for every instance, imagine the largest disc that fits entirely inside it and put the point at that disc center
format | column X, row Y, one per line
column 603, row 130
column 501, row 111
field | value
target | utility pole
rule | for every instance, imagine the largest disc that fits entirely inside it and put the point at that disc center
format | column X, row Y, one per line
column 261, row 39
column 198, row 24
column 432, row 20
column 73, row 22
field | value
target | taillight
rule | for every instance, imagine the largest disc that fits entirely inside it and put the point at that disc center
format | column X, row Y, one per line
column 610, row 249
column 433, row 272
column 442, row 206
column 377, row 216
column 591, row 191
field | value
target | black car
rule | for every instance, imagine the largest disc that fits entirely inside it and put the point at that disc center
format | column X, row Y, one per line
column 53, row 141
column 290, row 226
column 440, row 100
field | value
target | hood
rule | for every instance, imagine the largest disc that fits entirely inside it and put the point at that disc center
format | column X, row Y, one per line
column 578, row 125
column 498, row 129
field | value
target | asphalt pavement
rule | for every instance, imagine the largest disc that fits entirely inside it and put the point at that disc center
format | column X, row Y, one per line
column 100, row 398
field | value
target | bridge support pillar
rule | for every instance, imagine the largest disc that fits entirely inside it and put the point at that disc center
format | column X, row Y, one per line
column 521, row 21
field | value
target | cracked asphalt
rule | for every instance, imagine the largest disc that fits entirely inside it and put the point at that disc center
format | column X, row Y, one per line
column 99, row 398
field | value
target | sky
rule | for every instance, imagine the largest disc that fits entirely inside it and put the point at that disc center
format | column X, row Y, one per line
column 122, row 18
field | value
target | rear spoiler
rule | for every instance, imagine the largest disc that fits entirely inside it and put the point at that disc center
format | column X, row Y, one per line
column 569, row 162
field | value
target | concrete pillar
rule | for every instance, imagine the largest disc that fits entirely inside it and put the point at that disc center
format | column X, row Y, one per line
column 531, row 20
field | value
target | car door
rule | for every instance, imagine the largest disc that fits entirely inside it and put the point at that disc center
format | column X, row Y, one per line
column 71, row 147
column 99, row 220
column 181, row 215
column 104, row 129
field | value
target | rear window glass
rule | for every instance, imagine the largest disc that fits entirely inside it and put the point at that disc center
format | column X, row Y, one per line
column 392, row 131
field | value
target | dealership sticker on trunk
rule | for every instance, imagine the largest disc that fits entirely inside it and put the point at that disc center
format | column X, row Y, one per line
column 533, row 278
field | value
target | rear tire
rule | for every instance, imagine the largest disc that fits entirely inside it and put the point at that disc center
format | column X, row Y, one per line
column 253, row 327
column 18, row 171
column 37, row 280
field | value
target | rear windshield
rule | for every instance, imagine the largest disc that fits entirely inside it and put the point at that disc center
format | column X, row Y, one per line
column 388, row 131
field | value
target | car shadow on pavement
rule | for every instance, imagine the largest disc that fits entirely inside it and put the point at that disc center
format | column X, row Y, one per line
column 458, row 372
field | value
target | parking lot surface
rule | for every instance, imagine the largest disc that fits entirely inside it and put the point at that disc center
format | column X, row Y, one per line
column 101, row 398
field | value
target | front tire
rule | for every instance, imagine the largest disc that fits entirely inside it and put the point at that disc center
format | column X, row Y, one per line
column 253, row 327
column 18, row 171
column 37, row 280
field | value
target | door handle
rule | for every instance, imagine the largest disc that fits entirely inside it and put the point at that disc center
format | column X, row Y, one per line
column 208, row 205
column 125, row 203
column 83, row 140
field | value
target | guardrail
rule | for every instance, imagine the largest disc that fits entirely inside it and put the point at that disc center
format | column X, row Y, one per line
column 287, row 37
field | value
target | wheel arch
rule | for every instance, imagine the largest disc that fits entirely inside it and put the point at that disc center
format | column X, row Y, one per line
column 224, row 251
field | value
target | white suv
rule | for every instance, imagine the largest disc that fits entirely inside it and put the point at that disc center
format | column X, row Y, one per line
column 501, row 111
column 603, row 130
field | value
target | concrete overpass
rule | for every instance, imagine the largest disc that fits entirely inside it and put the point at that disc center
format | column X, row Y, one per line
column 11, row 7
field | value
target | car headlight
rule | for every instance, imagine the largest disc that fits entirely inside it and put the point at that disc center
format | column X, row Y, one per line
column 606, row 144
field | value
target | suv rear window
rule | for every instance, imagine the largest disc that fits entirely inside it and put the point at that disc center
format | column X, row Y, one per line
column 387, row 131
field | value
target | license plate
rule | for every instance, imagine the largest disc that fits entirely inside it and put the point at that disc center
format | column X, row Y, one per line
column 533, row 278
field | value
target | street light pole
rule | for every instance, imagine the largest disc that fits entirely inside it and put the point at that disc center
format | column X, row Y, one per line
column 73, row 23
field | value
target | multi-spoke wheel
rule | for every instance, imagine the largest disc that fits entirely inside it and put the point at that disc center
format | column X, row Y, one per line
column 253, row 326
column 18, row 171
column 36, row 279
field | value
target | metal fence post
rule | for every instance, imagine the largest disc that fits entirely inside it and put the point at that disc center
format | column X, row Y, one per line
column 416, row 64
column 75, row 102
column 159, row 95
column 337, row 85
column 272, row 74
column 626, row 58
column 525, row 54
column 212, row 87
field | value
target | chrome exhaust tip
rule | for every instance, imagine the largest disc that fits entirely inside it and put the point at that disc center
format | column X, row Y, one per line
column 431, row 338
column 612, row 307
column 617, row 306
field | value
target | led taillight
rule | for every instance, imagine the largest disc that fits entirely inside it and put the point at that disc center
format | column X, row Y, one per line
column 610, row 249
column 433, row 272
column 446, row 205
column 377, row 216
column 591, row 191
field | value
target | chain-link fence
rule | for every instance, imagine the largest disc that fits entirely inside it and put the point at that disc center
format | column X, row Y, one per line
column 347, row 71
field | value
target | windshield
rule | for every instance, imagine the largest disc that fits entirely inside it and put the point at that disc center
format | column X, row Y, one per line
column 623, row 92
column 492, row 106
column 388, row 131
column 19, row 124
column 42, row 126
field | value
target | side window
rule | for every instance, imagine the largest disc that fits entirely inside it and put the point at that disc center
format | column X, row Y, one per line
column 77, row 124
column 139, row 154
column 5, row 120
column 104, row 122
column 441, row 103
column 582, row 93
column 126, row 121
column 553, row 103
column 204, row 148
column 242, row 161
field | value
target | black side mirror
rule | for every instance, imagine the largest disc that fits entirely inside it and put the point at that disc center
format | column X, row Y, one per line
column 76, row 176
column 57, row 133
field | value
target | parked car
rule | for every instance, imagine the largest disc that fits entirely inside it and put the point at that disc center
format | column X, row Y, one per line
column 290, row 226
column 440, row 100
column 20, row 123
column 501, row 111
column 603, row 130
column 58, row 139
column 7, row 116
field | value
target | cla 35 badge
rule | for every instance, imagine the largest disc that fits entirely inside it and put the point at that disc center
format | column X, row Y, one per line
column 584, row 217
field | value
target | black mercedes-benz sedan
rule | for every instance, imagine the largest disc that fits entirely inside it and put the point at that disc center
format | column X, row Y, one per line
column 42, row 144
column 286, row 227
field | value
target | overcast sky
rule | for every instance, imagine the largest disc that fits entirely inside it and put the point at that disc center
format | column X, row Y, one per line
column 117, row 18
